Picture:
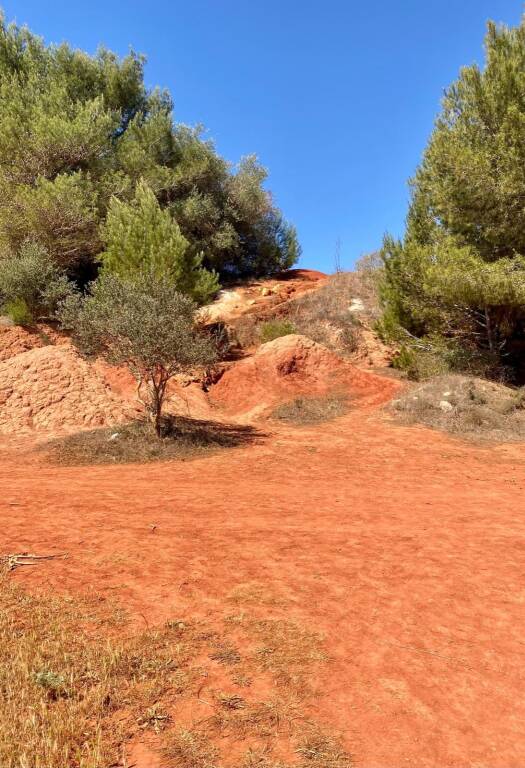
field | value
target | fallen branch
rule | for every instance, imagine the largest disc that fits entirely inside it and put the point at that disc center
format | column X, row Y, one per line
column 25, row 558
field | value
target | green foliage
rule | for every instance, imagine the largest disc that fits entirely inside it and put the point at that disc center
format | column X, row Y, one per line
column 141, row 237
column 60, row 214
column 145, row 323
column 460, row 270
column 436, row 355
column 274, row 329
column 31, row 285
column 18, row 311
column 79, row 132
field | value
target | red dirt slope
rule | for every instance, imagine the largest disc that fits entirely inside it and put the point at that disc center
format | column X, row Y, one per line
column 265, row 297
column 290, row 366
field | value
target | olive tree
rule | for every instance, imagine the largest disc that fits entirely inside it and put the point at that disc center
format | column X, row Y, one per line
column 144, row 323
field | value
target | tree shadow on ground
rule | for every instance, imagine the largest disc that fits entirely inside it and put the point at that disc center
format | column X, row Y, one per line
column 181, row 438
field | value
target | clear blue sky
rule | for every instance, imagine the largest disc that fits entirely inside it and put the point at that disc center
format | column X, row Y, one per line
column 336, row 98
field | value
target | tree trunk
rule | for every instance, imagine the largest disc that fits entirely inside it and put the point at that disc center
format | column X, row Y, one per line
column 158, row 390
column 158, row 419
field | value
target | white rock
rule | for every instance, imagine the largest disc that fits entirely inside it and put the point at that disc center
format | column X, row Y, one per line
column 356, row 305
column 446, row 406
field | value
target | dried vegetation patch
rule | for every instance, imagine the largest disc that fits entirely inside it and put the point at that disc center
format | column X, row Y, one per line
column 70, row 698
column 312, row 410
column 465, row 406
column 77, row 685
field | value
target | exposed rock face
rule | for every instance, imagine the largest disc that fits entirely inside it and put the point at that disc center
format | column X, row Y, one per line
column 263, row 298
column 51, row 389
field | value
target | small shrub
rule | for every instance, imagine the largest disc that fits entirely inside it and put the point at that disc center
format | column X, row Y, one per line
column 274, row 329
column 31, row 285
column 432, row 356
column 18, row 311
column 143, row 322
column 54, row 684
column 420, row 365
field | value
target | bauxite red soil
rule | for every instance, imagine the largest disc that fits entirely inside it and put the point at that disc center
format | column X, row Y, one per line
column 406, row 548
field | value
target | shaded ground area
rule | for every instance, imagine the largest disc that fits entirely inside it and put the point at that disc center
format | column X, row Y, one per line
column 182, row 438
column 403, row 547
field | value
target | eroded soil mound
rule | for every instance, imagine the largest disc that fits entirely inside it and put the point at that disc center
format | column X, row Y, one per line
column 51, row 389
column 289, row 366
column 14, row 339
column 465, row 405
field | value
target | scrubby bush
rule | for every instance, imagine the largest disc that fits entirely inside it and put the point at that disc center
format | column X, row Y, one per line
column 434, row 355
column 274, row 329
column 31, row 285
column 144, row 323
column 18, row 311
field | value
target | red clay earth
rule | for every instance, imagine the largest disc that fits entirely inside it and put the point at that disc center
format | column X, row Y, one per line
column 405, row 547
column 50, row 388
column 288, row 367
column 267, row 297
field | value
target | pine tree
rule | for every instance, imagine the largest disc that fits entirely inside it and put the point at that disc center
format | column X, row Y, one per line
column 141, row 237
column 459, row 272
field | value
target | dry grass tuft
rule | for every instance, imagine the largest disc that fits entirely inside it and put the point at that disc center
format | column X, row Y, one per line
column 137, row 442
column 286, row 650
column 190, row 749
column 312, row 410
column 226, row 653
column 319, row 751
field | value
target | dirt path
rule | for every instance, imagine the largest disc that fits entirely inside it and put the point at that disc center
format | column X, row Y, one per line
column 406, row 548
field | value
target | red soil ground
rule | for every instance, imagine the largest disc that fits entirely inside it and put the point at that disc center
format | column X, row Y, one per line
column 404, row 547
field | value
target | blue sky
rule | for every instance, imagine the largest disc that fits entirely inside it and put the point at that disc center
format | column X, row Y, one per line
column 336, row 98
